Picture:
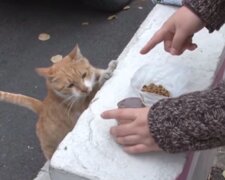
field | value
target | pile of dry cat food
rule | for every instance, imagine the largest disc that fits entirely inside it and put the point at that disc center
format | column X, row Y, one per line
column 152, row 88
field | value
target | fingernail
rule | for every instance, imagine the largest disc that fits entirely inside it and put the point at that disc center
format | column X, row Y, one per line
column 102, row 114
column 173, row 51
column 142, row 52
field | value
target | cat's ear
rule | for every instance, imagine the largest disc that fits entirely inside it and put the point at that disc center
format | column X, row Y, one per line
column 75, row 54
column 44, row 72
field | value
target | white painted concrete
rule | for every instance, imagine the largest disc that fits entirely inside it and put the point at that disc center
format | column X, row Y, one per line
column 44, row 173
column 89, row 152
column 172, row 2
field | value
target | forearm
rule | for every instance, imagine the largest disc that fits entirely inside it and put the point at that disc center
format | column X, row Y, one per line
column 194, row 121
column 210, row 11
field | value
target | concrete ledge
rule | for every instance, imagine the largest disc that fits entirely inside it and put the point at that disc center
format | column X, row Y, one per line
column 89, row 152
column 43, row 173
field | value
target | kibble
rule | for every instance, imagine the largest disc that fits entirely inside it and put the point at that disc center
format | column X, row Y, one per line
column 157, row 89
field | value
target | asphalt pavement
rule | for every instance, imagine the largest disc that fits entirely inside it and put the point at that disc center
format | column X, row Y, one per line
column 21, row 22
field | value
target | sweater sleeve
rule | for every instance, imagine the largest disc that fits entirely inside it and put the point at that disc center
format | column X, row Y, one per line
column 194, row 121
column 210, row 11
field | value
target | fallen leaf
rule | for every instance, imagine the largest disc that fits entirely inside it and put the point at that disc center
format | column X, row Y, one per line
column 56, row 58
column 112, row 17
column 44, row 37
column 30, row 147
column 126, row 8
column 85, row 23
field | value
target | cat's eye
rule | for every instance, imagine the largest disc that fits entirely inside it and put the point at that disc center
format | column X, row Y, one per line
column 84, row 75
column 70, row 85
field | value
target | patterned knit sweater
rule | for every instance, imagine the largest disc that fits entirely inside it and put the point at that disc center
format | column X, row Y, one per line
column 212, row 12
column 194, row 121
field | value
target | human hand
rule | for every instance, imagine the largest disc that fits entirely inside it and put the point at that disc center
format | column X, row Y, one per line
column 176, row 32
column 132, row 131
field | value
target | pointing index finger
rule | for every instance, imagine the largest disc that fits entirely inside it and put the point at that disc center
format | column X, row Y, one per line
column 156, row 39
column 118, row 114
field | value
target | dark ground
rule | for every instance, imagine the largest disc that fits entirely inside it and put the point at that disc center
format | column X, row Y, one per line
column 20, row 52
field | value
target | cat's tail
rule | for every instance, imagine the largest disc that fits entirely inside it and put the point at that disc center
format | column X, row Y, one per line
column 21, row 100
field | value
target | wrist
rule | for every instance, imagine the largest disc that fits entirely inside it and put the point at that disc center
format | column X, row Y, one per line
column 192, row 18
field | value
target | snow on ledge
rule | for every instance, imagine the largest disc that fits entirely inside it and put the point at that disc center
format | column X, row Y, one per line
column 89, row 152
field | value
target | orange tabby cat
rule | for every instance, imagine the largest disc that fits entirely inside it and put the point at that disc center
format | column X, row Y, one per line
column 71, row 84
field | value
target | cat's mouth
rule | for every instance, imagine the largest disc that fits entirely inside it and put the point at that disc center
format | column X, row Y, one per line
column 85, row 90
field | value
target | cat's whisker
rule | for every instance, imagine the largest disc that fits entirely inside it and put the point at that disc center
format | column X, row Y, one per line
column 67, row 99
column 70, row 107
column 69, row 103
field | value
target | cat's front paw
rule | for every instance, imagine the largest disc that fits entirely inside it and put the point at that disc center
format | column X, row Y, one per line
column 108, row 72
column 112, row 65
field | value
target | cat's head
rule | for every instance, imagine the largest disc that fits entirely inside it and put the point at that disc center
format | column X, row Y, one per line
column 73, row 76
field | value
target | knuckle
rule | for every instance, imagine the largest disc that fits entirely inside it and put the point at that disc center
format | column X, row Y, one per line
column 121, row 114
column 137, row 149
column 130, row 150
column 134, row 149
column 117, row 131
column 120, row 140
column 113, row 131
